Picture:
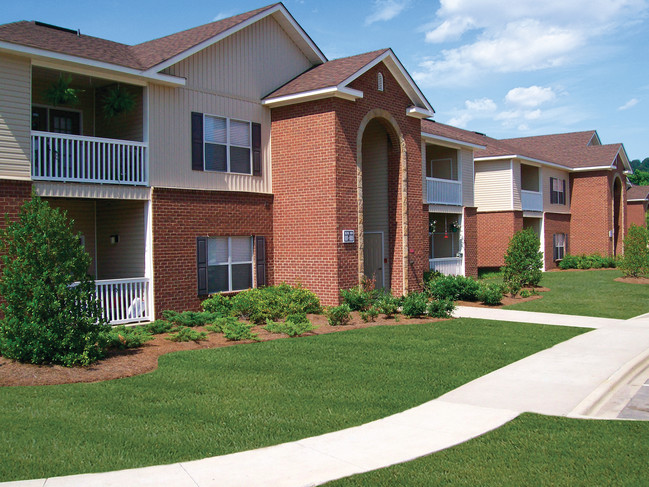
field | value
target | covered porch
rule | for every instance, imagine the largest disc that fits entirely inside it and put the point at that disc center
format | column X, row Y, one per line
column 115, row 234
column 446, row 245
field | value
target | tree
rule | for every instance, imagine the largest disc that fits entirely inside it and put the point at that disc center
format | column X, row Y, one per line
column 51, row 314
column 635, row 262
column 523, row 261
column 639, row 178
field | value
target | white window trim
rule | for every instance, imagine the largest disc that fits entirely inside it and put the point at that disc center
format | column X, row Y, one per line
column 230, row 263
column 227, row 144
column 62, row 109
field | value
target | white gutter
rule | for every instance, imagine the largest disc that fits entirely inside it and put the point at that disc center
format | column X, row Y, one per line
column 523, row 158
column 332, row 91
column 439, row 138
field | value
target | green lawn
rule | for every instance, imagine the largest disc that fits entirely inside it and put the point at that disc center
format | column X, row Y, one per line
column 211, row 402
column 531, row 450
column 589, row 293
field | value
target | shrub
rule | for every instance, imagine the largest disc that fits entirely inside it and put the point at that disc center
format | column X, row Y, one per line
column 357, row 299
column 593, row 261
column 273, row 303
column 525, row 293
column 635, row 261
column 220, row 323
column 300, row 300
column 523, row 261
column 187, row 334
column 158, row 327
column 217, row 303
column 370, row 314
column 50, row 312
column 122, row 337
column 454, row 288
column 190, row 318
column 441, row 308
column 491, row 294
column 387, row 304
column 295, row 325
column 569, row 262
column 414, row 305
column 339, row 315
column 237, row 330
column 430, row 275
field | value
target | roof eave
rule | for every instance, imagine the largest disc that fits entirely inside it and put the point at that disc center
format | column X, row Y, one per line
column 46, row 58
column 329, row 92
column 523, row 158
column 456, row 142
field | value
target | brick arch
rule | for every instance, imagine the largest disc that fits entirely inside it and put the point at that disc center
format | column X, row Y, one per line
column 395, row 137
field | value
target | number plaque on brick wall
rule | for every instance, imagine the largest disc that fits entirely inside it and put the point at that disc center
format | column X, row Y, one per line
column 348, row 236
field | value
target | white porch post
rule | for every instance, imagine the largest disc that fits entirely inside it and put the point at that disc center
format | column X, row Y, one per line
column 148, row 252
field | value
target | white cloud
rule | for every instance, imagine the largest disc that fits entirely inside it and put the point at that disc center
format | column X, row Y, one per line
column 478, row 108
column 517, row 36
column 481, row 105
column 530, row 97
column 385, row 10
column 631, row 103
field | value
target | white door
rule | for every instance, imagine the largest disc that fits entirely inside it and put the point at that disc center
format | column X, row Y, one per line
column 373, row 258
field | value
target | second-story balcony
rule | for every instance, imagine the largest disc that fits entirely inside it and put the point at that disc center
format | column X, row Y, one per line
column 78, row 158
column 443, row 191
column 531, row 200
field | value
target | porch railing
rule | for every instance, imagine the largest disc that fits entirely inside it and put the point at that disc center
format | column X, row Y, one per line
column 124, row 300
column 449, row 266
column 531, row 200
column 443, row 191
column 61, row 157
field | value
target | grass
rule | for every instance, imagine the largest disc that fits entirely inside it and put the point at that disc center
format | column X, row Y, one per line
column 589, row 293
column 531, row 450
column 211, row 402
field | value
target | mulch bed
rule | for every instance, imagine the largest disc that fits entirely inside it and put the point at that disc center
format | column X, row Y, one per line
column 135, row 361
column 507, row 299
column 633, row 280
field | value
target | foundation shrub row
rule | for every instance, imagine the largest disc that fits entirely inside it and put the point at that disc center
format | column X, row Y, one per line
column 592, row 261
column 460, row 288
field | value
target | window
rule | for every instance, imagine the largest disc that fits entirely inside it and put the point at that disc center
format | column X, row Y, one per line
column 379, row 80
column 559, row 245
column 56, row 120
column 229, row 264
column 444, row 231
column 557, row 191
column 225, row 145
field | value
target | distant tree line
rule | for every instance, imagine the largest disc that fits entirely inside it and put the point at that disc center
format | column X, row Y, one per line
column 640, row 176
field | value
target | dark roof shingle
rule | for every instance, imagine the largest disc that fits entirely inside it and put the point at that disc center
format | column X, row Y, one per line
column 637, row 193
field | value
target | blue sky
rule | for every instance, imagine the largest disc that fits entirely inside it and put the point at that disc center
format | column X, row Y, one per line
column 507, row 69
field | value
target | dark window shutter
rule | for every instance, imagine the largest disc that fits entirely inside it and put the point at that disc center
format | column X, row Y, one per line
column 201, row 264
column 563, row 202
column 555, row 250
column 256, row 149
column 197, row 141
column 553, row 195
column 260, row 243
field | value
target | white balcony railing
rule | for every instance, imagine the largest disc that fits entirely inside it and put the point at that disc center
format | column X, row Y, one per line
column 449, row 266
column 60, row 157
column 531, row 200
column 443, row 191
column 124, row 300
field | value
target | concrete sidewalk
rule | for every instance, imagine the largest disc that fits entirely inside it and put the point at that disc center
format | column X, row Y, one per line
column 566, row 380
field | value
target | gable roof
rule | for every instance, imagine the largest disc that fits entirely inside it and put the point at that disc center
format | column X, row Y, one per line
column 333, row 77
column 148, row 57
column 430, row 129
column 637, row 193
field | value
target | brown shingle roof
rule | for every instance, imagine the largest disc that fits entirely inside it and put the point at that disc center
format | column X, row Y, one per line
column 327, row 74
column 637, row 193
column 450, row 132
column 141, row 56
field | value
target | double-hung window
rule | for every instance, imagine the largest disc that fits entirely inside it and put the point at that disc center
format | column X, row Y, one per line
column 225, row 145
column 559, row 245
column 557, row 191
column 229, row 264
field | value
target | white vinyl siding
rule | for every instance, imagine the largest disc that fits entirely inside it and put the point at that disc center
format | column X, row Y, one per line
column 15, row 118
column 546, row 174
column 493, row 186
column 516, row 188
column 466, row 158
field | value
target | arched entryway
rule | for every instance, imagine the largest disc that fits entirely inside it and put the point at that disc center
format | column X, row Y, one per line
column 380, row 220
column 617, row 216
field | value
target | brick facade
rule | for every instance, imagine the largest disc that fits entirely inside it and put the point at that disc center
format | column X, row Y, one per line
column 470, row 242
column 554, row 223
column 636, row 214
column 179, row 216
column 494, row 231
column 315, row 183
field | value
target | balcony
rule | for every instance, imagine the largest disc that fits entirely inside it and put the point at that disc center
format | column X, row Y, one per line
column 449, row 266
column 443, row 191
column 531, row 200
column 124, row 300
column 83, row 159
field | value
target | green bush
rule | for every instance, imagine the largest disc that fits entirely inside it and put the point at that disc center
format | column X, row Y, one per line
column 357, row 298
column 387, row 304
column 369, row 315
column 237, row 330
column 51, row 314
column 523, row 261
column 635, row 262
column 430, row 275
column 190, row 318
column 187, row 334
column 217, row 303
column 338, row 315
column 593, row 261
column 158, row 327
column 414, row 305
column 295, row 325
column 491, row 294
column 122, row 337
column 273, row 303
column 454, row 288
column 440, row 308
column 219, row 324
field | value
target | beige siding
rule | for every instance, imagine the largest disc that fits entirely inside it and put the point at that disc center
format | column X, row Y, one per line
column 546, row 174
column 493, row 186
column 125, row 258
column 15, row 118
column 89, row 190
column 516, row 180
column 466, row 170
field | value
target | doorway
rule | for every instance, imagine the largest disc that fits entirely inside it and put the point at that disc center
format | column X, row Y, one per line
column 373, row 258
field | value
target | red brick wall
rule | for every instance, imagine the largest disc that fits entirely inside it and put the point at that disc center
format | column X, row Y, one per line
column 555, row 223
column 314, row 148
column 495, row 229
column 470, row 242
column 179, row 216
column 636, row 212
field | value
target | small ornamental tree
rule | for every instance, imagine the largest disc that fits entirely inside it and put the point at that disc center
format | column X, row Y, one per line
column 635, row 262
column 523, row 261
column 50, row 312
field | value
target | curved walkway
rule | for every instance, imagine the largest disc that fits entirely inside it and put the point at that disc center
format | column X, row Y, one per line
column 572, row 378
